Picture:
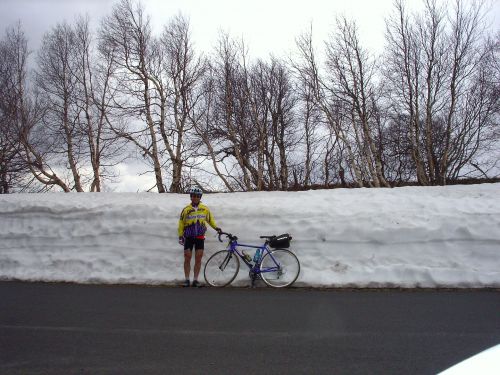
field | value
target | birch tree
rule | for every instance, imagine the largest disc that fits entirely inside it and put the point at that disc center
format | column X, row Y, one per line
column 351, row 82
column 184, row 71
column 126, row 35
column 433, row 67
column 22, row 115
column 403, row 69
column 93, row 71
column 331, row 108
column 13, row 56
column 159, row 80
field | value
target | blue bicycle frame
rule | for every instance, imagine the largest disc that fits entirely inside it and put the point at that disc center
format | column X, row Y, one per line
column 264, row 249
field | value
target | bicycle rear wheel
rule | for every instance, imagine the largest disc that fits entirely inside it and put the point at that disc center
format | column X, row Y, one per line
column 279, row 268
column 221, row 268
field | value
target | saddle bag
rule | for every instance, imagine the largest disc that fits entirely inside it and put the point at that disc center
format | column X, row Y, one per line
column 281, row 241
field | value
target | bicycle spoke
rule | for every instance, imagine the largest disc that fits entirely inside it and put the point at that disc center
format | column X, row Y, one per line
column 221, row 268
column 280, row 268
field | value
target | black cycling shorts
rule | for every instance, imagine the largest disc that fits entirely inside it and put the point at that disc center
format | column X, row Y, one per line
column 197, row 243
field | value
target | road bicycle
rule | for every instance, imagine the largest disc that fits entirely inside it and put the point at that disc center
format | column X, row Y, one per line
column 274, row 264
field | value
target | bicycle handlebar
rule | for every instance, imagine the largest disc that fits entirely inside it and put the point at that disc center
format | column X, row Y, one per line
column 228, row 235
column 234, row 238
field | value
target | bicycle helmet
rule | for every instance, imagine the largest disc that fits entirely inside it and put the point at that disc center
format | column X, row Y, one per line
column 195, row 191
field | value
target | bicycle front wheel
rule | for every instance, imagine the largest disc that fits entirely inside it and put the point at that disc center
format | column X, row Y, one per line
column 279, row 268
column 221, row 268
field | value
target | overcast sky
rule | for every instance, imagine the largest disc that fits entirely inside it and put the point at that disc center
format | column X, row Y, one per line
column 267, row 26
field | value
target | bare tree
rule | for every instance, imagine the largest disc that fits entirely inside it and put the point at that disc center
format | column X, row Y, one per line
column 465, row 58
column 75, row 86
column 272, row 101
column 332, row 108
column 56, row 78
column 430, row 35
column 352, row 83
column 403, row 69
column 59, row 121
column 92, row 71
column 13, row 53
column 126, row 35
column 23, row 113
column 230, row 116
column 321, row 152
column 310, row 118
column 159, row 80
column 283, row 101
column 257, row 91
column 475, row 128
column 433, row 69
column 252, row 112
column 207, row 131
column 184, row 72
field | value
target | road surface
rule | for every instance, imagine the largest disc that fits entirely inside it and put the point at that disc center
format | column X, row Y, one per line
column 92, row 329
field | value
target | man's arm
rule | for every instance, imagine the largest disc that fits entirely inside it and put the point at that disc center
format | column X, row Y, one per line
column 211, row 220
column 180, row 229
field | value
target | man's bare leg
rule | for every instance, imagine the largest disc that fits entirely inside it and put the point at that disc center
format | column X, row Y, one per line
column 187, row 263
column 197, row 263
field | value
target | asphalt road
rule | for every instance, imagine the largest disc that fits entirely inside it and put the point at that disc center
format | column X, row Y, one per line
column 90, row 329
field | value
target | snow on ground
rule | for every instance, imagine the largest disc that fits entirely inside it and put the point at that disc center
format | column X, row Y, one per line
column 401, row 237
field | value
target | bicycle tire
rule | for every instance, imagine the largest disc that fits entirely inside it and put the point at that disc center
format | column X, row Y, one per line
column 215, row 275
column 288, row 269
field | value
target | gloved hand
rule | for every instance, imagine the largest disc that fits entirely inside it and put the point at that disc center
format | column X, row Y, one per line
column 181, row 241
column 218, row 230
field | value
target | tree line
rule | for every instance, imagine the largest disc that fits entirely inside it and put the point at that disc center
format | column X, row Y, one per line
column 425, row 111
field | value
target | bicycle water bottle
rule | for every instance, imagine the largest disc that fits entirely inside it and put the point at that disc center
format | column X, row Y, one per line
column 247, row 257
column 256, row 257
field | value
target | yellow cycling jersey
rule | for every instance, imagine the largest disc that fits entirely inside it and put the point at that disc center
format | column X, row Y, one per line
column 192, row 222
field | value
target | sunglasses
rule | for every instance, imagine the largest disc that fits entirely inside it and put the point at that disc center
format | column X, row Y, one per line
column 195, row 195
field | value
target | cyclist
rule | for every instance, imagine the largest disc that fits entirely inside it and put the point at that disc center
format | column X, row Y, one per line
column 192, row 228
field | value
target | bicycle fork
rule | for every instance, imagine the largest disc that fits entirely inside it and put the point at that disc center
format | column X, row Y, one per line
column 222, row 267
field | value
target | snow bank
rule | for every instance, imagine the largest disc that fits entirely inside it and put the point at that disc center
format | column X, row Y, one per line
column 402, row 237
